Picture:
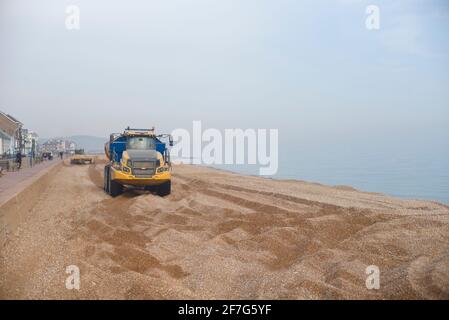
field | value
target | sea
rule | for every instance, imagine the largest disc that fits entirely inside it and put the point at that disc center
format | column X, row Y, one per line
column 409, row 169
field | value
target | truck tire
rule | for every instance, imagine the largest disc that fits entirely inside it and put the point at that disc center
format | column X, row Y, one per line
column 164, row 189
column 115, row 188
column 106, row 179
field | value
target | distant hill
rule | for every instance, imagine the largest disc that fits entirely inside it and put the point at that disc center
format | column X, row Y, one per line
column 88, row 143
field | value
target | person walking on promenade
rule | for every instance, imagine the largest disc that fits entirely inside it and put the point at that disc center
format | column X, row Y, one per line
column 61, row 154
column 19, row 160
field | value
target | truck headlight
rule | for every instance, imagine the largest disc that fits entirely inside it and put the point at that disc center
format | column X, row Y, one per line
column 162, row 169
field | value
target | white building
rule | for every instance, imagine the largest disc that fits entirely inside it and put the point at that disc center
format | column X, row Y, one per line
column 10, row 134
column 30, row 141
column 58, row 145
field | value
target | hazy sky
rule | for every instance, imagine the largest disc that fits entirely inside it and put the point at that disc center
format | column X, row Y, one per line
column 309, row 68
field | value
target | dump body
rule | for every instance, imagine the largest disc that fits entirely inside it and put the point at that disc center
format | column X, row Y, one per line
column 137, row 158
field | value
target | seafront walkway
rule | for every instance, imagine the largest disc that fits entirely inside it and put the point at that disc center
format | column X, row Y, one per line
column 13, row 182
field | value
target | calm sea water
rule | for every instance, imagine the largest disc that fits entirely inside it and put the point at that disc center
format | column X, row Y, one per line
column 416, row 169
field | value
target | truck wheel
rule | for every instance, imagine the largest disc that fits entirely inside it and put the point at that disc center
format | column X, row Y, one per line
column 106, row 179
column 115, row 188
column 164, row 189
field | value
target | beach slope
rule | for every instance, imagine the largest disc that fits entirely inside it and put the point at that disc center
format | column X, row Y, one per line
column 221, row 235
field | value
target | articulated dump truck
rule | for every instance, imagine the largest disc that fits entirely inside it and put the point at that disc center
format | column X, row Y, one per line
column 137, row 159
column 81, row 158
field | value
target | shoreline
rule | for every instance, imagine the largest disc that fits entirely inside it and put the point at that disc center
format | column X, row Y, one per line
column 342, row 186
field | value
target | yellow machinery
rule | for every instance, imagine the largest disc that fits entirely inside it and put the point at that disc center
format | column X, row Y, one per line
column 81, row 158
column 139, row 159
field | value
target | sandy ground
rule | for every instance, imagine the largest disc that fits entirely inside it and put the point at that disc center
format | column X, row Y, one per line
column 222, row 235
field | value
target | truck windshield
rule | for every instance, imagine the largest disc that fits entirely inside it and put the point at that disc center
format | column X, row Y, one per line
column 141, row 143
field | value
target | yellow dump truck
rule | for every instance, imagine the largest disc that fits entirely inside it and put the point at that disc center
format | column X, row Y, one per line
column 137, row 159
column 81, row 158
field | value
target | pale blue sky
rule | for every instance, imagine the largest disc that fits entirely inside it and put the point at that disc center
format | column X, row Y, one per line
column 309, row 68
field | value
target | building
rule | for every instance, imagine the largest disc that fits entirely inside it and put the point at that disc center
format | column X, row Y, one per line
column 30, row 139
column 58, row 145
column 10, row 135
